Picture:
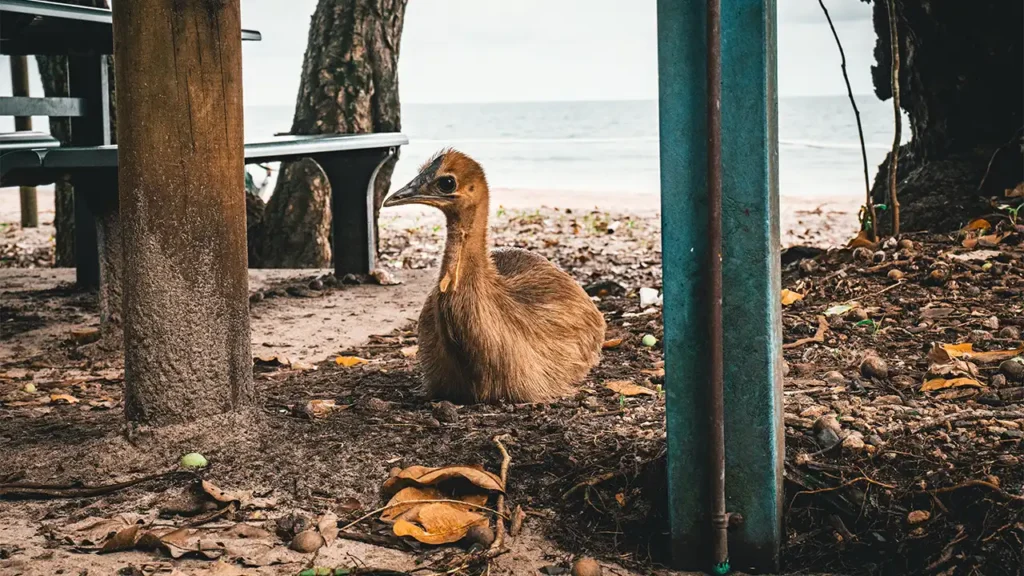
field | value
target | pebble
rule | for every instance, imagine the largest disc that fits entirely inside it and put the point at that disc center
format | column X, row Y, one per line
column 998, row 381
column 938, row 275
column 591, row 403
column 973, row 291
column 990, row 323
column 350, row 279
column 862, row 254
column 1013, row 369
column 890, row 399
column 307, row 541
column 979, row 336
column 876, row 440
column 889, row 243
column 330, row 280
column 856, row 315
column 895, row 275
column 445, row 411
column 854, row 441
column 905, row 244
column 814, row 411
column 316, row 284
column 586, row 567
column 874, row 367
column 374, row 404
column 809, row 266
column 1009, row 333
column 1008, row 459
column 918, row 516
column 834, row 378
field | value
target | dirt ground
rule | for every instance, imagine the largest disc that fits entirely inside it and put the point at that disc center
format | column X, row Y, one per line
column 908, row 463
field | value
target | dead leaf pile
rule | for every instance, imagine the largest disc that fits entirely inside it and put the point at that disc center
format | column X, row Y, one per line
column 438, row 505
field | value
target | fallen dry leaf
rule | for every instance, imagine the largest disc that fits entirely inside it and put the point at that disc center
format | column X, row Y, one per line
column 943, row 383
column 627, row 388
column 225, row 496
column 321, row 408
column 438, row 523
column 349, row 361
column 424, row 476
column 65, row 398
column 1015, row 192
column 410, row 351
column 978, row 224
column 789, row 296
column 995, row 355
column 612, row 343
column 657, row 372
column 414, row 493
column 943, row 353
column 328, row 527
column 861, row 241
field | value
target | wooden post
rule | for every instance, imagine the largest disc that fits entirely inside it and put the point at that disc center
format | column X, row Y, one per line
column 19, row 87
column 178, row 72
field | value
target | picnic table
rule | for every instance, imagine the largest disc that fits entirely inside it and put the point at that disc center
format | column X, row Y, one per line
column 85, row 35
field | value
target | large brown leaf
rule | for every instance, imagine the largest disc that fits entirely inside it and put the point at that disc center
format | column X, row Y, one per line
column 416, row 493
column 424, row 476
column 438, row 523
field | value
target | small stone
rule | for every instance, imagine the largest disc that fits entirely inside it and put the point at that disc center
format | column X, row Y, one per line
column 827, row 429
column 874, row 367
column 990, row 323
column 1008, row 459
column 809, row 266
column 374, row 404
column 1013, row 369
column 1009, row 333
column 918, row 516
column 307, row 541
column 938, row 276
column 854, row 441
column 834, row 378
column 876, row 440
column 432, row 422
column 862, row 254
column 480, row 535
column 891, row 399
column 591, row 403
column 316, row 284
column 890, row 243
column 857, row 315
column 905, row 244
column 330, row 280
column 813, row 411
column 878, row 257
column 445, row 411
column 998, row 381
column 586, row 567
column 979, row 336
column 351, row 279
column 973, row 291
column 895, row 275
column 256, row 296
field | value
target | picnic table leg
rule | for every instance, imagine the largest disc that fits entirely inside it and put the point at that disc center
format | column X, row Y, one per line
column 352, row 178
column 88, row 79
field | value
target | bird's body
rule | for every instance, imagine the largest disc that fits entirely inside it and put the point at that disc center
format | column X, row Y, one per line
column 505, row 324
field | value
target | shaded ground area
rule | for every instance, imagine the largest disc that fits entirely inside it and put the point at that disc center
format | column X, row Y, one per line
column 884, row 474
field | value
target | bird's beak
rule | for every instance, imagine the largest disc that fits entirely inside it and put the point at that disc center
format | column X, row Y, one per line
column 408, row 194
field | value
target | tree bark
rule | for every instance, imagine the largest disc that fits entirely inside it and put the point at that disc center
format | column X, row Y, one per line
column 349, row 85
column 186, row 312
column 961, row 85
column 53, row 71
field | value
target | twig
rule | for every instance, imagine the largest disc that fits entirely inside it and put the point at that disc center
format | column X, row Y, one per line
column 979, row 483
column 869, row 205
column 845, row 485
column 407, row 502
column 818, row 337
column 938, row 421
column 591, row 482
column 879, row 293
column 499, row 537
column 894, row 49
column 32, row 490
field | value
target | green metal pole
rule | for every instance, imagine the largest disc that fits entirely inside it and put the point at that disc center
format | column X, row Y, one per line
column 751, row 277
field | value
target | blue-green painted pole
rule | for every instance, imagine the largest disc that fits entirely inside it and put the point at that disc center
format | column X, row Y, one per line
column 751, row 277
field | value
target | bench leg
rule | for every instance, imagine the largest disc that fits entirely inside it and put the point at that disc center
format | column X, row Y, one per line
column 106, row 241
column 352, row 177
column 87, row 264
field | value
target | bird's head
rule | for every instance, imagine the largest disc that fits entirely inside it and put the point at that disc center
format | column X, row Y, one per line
column 450, row 181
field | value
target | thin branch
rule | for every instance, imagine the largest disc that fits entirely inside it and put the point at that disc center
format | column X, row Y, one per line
column 869, row 205
column 894, row 49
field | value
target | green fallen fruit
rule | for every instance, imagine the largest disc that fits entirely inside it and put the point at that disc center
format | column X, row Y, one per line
column 648, row 340
column 193, row 460
column 30, row 388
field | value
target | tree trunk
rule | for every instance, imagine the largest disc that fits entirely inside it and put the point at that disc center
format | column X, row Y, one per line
column 349, row 85
column 53, row 71
column 186, row 309
column 961, row 85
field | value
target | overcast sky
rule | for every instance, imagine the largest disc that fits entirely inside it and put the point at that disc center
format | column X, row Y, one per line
column 501, row 50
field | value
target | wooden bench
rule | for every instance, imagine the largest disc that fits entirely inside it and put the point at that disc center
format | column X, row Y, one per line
column 351, row 162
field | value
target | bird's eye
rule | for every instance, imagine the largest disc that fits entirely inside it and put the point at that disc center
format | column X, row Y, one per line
column 446, row 184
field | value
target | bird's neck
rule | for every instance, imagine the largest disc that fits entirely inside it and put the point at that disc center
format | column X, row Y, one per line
column 466, row 257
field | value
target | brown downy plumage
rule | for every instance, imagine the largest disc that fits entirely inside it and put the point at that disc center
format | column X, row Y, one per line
column 503, row 324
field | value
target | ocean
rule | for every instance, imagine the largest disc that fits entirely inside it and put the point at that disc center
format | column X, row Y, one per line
column 612, row 147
